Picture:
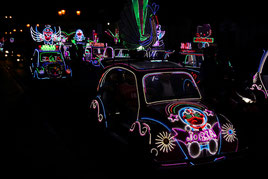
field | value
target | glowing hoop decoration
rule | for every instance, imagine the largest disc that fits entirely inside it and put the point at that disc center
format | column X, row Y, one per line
column 48, row 36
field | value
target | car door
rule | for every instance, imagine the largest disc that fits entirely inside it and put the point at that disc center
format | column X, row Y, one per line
column 264, row 75
column 263, row 72
column 118, row 92
column 34, row 62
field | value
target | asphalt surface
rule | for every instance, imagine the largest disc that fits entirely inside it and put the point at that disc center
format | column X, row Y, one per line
column 46, row 133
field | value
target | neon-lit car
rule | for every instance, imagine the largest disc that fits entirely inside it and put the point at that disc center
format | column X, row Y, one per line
column 95, row 54
column 260, row 79
column 157, row 109
column 48, row 63
column 121, row 53
column 192, row 59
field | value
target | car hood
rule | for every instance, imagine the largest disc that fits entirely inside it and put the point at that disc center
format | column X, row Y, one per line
column 199, row 132
column 182, row 113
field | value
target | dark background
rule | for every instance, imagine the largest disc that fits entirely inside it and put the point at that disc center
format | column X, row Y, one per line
column 45, row 130
column 240, row 30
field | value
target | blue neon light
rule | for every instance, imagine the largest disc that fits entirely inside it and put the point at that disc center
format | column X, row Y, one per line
column 219, row 136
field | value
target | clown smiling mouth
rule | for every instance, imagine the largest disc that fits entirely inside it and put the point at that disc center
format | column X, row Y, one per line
column 195, row 120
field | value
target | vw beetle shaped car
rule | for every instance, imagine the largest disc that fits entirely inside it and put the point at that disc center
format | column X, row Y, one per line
column 48, row 63
column 158, row 108
column 260, row 79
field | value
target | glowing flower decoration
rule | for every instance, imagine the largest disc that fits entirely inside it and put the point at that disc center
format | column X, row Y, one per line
column 228, row 132
column 165, row 142
column 173, row 118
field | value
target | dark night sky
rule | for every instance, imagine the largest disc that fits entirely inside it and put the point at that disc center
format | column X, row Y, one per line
column 168, row 8
column 237, row 27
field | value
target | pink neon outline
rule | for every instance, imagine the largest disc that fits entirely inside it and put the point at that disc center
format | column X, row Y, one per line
column 142, row 133
column 259, row 89
column 173, row 164
column 144, row 70
column 172, row 72
column 93, row 103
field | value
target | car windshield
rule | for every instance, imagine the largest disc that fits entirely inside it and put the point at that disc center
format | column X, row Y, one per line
column 51, row 57
column 167, row 86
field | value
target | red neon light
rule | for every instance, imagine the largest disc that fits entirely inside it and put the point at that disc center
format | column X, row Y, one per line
column 203, row 40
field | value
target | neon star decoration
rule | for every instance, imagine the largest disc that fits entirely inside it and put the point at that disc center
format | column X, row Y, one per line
column 173, row 118
column 48, row 35
column 208, row 112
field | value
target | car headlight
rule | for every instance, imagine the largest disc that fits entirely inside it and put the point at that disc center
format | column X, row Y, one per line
column 245, row 99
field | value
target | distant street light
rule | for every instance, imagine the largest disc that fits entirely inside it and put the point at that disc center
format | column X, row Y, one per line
column 63, row 11
column 78, row 13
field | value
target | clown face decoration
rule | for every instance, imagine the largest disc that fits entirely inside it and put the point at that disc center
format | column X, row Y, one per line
column 48, row 36
column 193, row 117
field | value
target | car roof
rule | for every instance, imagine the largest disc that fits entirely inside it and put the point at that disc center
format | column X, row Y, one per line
column 141, row 65
column 42, row 51
column 154, row 65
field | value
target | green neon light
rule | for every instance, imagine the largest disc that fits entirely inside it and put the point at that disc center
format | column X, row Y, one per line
column 50, row 56
column 140, row 15
column 67, row 33
column 48, row 47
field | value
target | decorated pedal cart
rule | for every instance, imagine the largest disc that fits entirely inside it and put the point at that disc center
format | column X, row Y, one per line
column 157, row 110
column 95, row 51
column 192, row 53
column 47, row 61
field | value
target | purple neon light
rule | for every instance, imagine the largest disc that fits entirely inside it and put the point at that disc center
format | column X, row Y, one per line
column 173, row 164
